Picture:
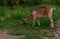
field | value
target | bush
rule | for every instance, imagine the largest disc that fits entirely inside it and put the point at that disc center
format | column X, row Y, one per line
column 28, row 2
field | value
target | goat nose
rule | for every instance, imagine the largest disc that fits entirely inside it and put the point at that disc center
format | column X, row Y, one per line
column 24, row 22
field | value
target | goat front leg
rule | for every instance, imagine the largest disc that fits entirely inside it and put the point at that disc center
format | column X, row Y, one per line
column 34, row 21
column 38, row 22
column 52, row 23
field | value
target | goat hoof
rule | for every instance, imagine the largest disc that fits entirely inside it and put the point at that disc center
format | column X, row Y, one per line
column 52, row 27
column 32, row 25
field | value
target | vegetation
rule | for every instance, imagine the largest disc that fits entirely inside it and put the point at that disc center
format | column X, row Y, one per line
column 28, row 2
column 11, row 19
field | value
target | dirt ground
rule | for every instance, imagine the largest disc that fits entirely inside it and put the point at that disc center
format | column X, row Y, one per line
column 5, row 35
column 53, row 34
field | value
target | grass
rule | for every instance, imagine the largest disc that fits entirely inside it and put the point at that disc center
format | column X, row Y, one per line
column 13, row 21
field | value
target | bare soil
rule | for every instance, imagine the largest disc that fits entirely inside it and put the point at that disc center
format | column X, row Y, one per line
column 5, row 35
column 54, row 34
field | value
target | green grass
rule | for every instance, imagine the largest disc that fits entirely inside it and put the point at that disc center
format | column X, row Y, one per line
column 14, row 22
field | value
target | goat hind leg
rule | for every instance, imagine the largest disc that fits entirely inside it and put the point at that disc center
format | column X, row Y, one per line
column 38, row 22
column 51, row 24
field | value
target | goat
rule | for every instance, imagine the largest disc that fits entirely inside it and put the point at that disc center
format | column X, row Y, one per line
column 40, row 12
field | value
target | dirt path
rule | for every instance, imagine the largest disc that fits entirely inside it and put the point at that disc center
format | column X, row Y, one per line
column 5, row 35
column 57, row 33
column 54, row 34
